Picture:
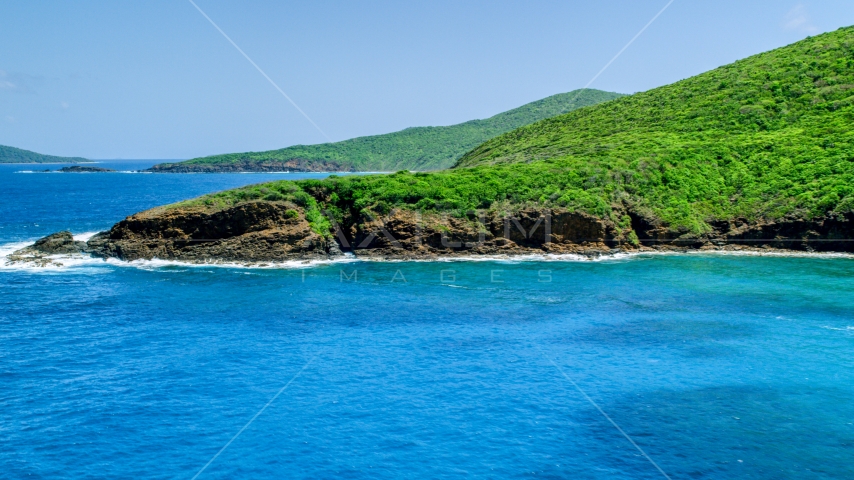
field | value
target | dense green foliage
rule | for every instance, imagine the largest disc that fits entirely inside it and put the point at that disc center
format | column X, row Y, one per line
column 767, row 136
column 764, row 138
column 17, row 155
column 419, row 148
column 280, row 191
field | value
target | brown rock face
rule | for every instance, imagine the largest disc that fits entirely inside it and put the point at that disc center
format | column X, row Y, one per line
column 407, row 234
column 273, row 231
column 833, row 233
column 828, row 234
column 62, row 243
column 252, row 232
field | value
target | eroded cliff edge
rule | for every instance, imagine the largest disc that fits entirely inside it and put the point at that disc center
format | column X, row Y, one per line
column 264, row 231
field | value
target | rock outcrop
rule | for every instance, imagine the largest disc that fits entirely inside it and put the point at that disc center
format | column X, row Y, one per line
column 264, row 231
column 79, row 169
column 832, row 233
column 58, row 243
column 39, row 253
column 407, row 234
column 249, row 232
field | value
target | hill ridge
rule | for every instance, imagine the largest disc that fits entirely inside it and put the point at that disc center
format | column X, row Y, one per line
column 754, row 155
column 413, row 148
column 19, row 155
column 775, row 105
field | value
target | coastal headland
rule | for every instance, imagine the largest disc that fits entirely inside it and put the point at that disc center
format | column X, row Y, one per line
column 262, row 232
column 758, row 154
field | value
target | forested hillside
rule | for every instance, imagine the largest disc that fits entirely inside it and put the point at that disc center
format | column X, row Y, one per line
column 418, row 148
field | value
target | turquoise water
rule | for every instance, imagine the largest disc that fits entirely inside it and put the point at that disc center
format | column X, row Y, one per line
column 714, row 366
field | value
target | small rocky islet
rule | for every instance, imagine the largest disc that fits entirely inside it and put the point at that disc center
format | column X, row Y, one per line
column 42, row 252
column 81, row 169
column 78, row 169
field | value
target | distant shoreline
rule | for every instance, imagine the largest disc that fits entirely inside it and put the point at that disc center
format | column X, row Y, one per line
column 146, row 171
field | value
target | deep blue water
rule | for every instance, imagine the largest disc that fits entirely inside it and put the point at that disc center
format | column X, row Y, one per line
column 716, row 366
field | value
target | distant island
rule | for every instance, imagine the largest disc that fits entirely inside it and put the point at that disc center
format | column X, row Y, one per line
column 755, row 155
column 17, row 155
column 79, row 169
column 418, row 148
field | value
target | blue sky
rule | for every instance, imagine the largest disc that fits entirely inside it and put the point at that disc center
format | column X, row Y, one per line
column 154, row 79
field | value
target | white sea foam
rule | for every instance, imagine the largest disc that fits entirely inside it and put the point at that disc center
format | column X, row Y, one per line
column 84, row 237
column 611, row 257
column 59, row 262
column 846, row 329
column 544, row 257
column 157, row 263
column 773, row 253
column 76, row 261
column 514, row 259
column 8, row 248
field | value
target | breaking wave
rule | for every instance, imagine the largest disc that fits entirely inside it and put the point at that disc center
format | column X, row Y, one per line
column 62, row 262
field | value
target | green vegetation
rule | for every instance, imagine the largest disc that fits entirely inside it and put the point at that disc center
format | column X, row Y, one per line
column 419, row 148
column 281, row 191
column 17, row 155
column 767, row 137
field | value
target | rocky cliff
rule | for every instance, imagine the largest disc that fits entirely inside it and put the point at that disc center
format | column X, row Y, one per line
column 262, row 231
column 250, row 232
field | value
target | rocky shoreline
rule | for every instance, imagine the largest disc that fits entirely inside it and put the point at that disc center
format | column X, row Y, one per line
column 264, row 232
column 246, row 166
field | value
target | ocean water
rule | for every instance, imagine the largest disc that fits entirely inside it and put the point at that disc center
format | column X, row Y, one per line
column 712, row 366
